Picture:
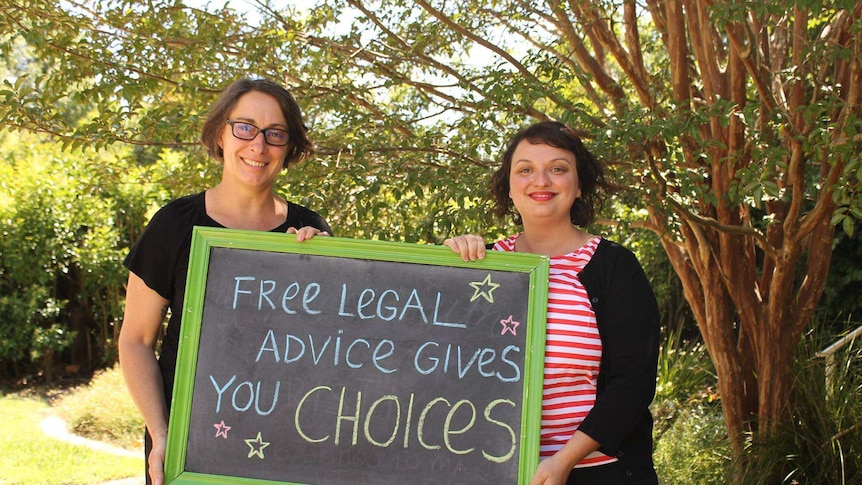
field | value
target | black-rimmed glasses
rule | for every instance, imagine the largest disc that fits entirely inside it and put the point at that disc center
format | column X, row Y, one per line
column 247, row 131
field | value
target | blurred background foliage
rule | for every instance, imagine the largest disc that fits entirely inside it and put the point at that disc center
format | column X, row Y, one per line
column 409, row 104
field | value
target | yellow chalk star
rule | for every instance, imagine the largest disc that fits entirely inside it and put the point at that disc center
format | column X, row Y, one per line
column 256, row 450
column 484, row 288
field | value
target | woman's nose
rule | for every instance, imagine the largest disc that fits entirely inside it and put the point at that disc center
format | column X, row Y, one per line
column 542, row 178
column 258, row 142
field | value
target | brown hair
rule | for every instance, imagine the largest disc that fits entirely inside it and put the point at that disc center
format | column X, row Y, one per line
column 590, row 173
column 299, row 146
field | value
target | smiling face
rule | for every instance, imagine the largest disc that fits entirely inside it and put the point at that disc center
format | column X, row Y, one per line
column 543, row 183
column 253, row 162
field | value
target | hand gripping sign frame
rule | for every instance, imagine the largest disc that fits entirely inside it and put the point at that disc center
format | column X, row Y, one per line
column 338, row 360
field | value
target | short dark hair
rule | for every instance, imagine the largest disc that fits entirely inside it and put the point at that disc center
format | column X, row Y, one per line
column 299, row 146
column 591, row 175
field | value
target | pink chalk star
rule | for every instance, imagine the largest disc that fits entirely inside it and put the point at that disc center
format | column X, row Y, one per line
column 221, row 429
column 509, row 325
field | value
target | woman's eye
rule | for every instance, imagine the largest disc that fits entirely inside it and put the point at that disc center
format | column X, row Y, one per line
column 276, row 135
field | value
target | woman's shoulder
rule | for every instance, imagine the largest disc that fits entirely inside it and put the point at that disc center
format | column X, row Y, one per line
column 185, row 203
column 610, row 248
column 299, row 216
column 610, row 257
column 507, row 244
column 163, row 239
column 300, row 209
column 183, row 207
column 188, row 210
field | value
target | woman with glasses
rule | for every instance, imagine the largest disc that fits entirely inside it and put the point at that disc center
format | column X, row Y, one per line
column 255, row 130
column 602, row 329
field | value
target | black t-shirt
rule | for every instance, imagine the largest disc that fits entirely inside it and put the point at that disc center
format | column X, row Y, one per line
column 161, row 259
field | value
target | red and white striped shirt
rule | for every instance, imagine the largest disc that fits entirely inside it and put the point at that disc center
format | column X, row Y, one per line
column 573, row 352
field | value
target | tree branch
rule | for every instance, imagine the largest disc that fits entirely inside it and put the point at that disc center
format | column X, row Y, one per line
column 333, row 150
column 592, row 20
column 533, row 80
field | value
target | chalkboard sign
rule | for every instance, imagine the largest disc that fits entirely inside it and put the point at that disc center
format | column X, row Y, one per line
column 337, row 361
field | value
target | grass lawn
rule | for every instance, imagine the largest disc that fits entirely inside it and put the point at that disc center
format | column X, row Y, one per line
column 30, row 457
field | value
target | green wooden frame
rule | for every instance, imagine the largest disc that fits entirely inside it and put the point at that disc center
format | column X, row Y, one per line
column 204, row 239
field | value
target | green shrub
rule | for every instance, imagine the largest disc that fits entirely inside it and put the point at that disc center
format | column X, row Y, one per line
column 691, row 440
column 685, row 376
column 103, row 410
column 695, row 448
column 684, row 369
column 823, row 443
column 66, row 220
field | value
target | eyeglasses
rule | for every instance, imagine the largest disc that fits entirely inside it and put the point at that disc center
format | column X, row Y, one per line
column 247, row 131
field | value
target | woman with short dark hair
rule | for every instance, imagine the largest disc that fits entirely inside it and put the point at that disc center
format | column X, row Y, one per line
column 602, row 326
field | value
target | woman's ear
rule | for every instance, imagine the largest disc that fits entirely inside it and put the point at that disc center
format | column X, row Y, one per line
column 220, row 137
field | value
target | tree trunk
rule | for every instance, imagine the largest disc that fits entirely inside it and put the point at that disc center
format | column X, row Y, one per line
column 705, row 291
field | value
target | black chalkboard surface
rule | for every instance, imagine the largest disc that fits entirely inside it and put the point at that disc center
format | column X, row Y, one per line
column 337, row 361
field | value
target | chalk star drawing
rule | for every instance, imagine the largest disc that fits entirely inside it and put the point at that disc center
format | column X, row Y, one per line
column 509, row 325
column 484, row 288
column 221, row 429
column 260, row 446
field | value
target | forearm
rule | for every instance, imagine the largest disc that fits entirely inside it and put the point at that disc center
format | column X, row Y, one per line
column 144, row 382
column 577, row 448
column 555, row 469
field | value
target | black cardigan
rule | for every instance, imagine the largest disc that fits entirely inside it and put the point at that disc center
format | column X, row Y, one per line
column 628, row 319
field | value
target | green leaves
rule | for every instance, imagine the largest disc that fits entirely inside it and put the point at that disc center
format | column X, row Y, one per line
column 406, row 88
column 65, row 230
column 410, row 103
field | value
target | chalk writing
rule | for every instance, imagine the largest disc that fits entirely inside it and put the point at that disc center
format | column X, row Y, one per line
column 347, row 370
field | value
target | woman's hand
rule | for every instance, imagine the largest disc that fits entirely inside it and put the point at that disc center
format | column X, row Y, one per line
column 306, row 232
column 555, row 469
column 551, row 471
column 156, row 463
column 469, row 246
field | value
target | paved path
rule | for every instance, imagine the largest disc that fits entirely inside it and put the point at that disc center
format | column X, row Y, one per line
column 55, row 427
